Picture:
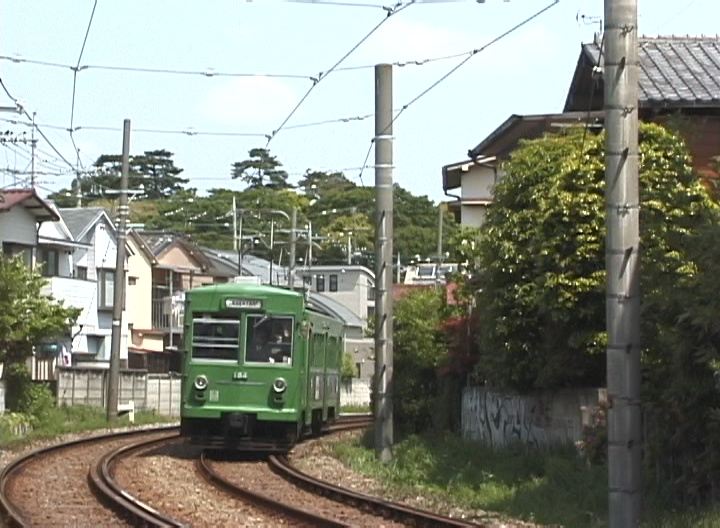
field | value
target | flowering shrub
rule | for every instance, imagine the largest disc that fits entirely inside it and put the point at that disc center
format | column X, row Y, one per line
column 593, row 445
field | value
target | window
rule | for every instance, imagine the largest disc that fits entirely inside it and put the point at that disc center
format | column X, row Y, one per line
column 18, row 250
column 81, row 272
column 370, row 291
column 215, row 338
column 333, row 283
column 106, row 288
column 50, row 259
column 320, row 283
column 132, row 281
column 269, row 339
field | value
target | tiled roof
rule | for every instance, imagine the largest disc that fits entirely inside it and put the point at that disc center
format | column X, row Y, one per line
column 78, row 219
column 29, row 199
column 674, row 70
column 158, row 241
column 682, row 70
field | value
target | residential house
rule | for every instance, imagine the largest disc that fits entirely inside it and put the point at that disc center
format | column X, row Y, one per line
column 21, row 212
column 177, row 265
column 56, row 249
column 351, row 285
column 679, row 87
column 94, row 260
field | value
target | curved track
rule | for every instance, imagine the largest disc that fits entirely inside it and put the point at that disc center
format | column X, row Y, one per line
column 14, row 514
column 111, row 494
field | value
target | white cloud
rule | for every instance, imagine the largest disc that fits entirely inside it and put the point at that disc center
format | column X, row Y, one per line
column 248, row 101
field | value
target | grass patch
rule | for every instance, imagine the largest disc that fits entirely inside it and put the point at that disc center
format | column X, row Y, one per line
column 17, row 429
column 555, row 487
column 552, row 488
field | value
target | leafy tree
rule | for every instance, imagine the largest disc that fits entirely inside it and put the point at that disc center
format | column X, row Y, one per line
column 154, row 172
column 259, row 168
column 418, row 351
column 26, row 317
column 317, row 184
column 541, row 266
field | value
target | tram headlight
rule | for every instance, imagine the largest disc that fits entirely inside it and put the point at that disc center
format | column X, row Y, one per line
column 201, row 382
column 279, row 385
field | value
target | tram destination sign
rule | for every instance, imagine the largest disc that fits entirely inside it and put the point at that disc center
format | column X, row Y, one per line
column 238, row 302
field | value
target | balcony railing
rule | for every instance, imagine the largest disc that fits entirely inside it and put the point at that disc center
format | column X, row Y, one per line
column 168, row 314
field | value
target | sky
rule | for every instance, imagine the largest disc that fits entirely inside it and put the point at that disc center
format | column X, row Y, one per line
column 197, row 101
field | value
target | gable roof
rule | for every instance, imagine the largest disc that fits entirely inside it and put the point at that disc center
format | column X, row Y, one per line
column 158, row 241
column 251, row 265
column 30, row 200
column 675, row 72
column 503, row 140
column 79, row 220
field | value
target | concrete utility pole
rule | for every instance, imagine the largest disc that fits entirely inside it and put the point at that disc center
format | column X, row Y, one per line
column 383, row 263
column 622, row 261
column 293, row 243
column 32, row 155
column 119, row 282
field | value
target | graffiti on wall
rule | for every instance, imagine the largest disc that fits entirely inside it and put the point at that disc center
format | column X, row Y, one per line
column 498, row 419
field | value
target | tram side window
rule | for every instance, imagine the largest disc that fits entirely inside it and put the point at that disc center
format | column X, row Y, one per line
column 215, row 338
column 269, row 339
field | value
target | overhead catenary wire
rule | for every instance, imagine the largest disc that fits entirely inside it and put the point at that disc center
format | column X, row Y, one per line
column 74, row 85
column 397, row 8
column 454, row 69
column 37, row 127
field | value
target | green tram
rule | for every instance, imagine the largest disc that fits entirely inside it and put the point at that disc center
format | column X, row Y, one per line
column 260, row 368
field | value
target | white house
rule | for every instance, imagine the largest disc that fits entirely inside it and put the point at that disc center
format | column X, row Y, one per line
column 352, row 286
column 92, row 283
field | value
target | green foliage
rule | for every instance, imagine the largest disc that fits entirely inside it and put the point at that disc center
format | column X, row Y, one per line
column 260, row 170
column 26, row 315
column 418, row 351
column 347, row 370
column 541, row 266
column 335, row 205
column 154, row 172
column 552, row 488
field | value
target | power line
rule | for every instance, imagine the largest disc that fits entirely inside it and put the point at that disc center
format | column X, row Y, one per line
column 36, row 126
column 322, row 75
column 75, row 72
column 454, row 69
column 191, row 132
column 209, row 72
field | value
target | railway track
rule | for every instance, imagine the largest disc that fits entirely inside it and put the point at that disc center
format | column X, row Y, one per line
column 115, row 497
column 23, row 481
column 324, row 504
column 272, row 485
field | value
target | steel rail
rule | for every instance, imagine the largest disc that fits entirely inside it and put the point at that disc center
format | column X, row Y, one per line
column 115, row 497
column 13, row 514
column 297, row 513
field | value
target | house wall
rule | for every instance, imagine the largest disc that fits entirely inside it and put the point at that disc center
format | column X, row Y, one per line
column 96, row 335
column 702, row 136
column 353, row 286
column 139, row 294
column 476, row 190
column 18, row 226
column 78, row 294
